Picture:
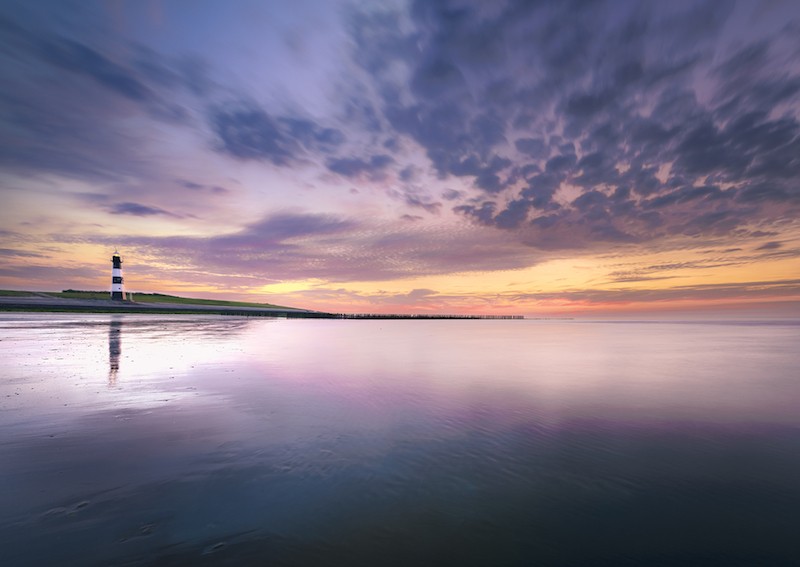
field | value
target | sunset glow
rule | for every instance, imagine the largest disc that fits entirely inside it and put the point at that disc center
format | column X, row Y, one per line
column 596, row 159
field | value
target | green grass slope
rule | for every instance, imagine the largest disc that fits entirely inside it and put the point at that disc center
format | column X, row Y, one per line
column 161, row 298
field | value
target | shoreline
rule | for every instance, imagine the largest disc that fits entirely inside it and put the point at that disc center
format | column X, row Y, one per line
column 42, row 304
column 65, row 305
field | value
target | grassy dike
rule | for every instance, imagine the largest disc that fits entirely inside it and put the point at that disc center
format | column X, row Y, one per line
column 77, row 301
column 161, row 298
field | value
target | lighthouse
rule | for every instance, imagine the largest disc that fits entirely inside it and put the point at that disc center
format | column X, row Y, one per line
column 117, row 293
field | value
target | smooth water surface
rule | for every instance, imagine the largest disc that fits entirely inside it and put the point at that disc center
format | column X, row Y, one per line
column 208, row 440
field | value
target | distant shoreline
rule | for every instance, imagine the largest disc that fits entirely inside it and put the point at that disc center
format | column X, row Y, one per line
column 43, row 303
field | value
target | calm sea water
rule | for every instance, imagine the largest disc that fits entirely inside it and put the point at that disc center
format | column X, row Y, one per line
column 149, row 440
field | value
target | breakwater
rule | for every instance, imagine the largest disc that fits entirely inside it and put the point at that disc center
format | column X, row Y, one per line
column 419, row 316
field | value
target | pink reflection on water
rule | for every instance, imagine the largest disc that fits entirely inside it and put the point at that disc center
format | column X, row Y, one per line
column 517, row 369
column 632, row 370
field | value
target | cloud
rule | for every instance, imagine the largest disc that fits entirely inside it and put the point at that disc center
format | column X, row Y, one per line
column 12, row 252
column 414, row 297
column 534, row 147
column 752, row 290
column 484, row 213
column 514, row 214
column 659, row 271
column 80, row 58
column 247, row 131
column 250, row 133
column 137, row 74
column 139, row 210
column 69, row 104
column 354, row 167
column 452, row 194
column 408, row 173
column 23, row 275
column 190, row 184
column 684, row 195
column 615, row 93
column 416, row 201
column 298, row 246
column 278, row 227
column 194, row 186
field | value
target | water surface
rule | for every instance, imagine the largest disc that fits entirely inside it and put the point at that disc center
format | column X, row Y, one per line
column 209, row 440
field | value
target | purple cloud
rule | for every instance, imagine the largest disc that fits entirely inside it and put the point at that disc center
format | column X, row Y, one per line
column 139, row 210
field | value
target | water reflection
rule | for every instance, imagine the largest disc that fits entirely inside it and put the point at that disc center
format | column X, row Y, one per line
column 114, row 350
column 303, row 442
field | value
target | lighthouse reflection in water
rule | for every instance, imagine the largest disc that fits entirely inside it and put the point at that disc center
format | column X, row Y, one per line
column 114, row 349
column 236, row 441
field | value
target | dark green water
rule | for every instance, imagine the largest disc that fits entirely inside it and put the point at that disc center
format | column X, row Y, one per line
column 145, row 440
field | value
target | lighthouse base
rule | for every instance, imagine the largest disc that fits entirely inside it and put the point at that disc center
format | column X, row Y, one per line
column 118, row 295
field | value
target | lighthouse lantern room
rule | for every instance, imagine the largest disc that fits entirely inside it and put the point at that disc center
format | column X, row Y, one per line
column 117, row 292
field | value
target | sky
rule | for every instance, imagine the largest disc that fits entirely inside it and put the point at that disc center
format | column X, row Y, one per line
column 547, row 159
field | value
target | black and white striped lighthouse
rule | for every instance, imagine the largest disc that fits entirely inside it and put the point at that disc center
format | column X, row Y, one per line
column 117, row 292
